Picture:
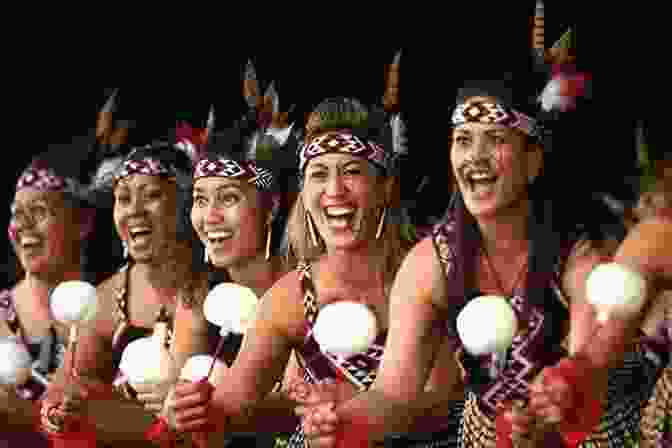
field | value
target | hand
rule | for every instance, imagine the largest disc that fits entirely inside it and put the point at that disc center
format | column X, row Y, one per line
column 63, row 404
column 524, row 428
column 153, row 395
column 310, row 395
column 189, row 406
column 319, row 424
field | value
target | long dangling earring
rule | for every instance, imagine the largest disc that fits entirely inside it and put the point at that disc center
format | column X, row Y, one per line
column 311, row 229
column 124, row 245
column 381, row 223
column 206, row 258
column 268, row 241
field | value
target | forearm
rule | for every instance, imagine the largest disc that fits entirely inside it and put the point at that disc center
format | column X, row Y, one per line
column 274, row 414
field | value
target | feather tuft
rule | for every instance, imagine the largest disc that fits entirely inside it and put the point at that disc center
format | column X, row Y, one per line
column 251, row 86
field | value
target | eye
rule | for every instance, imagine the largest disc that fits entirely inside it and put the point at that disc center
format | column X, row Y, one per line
column 318, row 174
column 461, row 140
column 499, row 139
column 200, row 201
column 353, row 171
column 154, row 194
column 227, row 199
column 39, row 212
column 123, row 199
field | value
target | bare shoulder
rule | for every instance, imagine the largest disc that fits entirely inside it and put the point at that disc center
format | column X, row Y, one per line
column 421, row 275
column 281, row 308
column 107, row 292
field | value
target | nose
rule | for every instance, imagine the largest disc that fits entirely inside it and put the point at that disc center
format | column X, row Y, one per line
column 480, row 149
column 335, row 185
column 212, row 214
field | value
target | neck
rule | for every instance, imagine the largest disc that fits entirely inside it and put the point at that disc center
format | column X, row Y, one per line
column 506, row 233
column 355, row 264
column 41, row 284
column 155, row 276
column 256, row 273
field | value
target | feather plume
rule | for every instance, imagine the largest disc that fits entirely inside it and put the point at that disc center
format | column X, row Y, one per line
column 399, row 139
column 538, row 40
column 251, row 86
column 391, row 96
column 210, row 125
column 104, row 124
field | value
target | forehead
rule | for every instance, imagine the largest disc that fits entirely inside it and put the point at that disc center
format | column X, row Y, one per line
column 212, row 184
column 139, row 181
column 334, row 160
column 29, row 195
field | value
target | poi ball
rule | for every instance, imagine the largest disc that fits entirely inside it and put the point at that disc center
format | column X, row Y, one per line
column 144, row 360
column 487, row 324
column 345, row 328
column 615, row 290
column 15, row 363
column 197, row 367
column 231, row 306
column 73, row 301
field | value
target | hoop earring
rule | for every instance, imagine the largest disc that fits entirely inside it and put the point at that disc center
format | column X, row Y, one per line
column 268, row 241
column 124, row 245
column 311, row 229
column 381, row 224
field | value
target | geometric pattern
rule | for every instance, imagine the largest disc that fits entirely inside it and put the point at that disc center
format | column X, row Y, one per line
column 46, row 180
column 344, row 143
column 221, row 167
column 494, row 113
column 148, row 166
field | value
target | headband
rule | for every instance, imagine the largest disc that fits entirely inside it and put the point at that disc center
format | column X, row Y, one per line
column 495, row 113
column 345, row 143
column 262, row 178
column 45, row 179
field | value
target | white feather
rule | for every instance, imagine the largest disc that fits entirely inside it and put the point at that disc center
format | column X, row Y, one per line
column 399, row 140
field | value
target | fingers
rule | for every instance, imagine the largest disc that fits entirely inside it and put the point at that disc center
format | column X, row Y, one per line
column 191, row 414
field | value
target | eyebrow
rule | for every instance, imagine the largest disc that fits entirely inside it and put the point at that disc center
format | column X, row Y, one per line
column 218, row 189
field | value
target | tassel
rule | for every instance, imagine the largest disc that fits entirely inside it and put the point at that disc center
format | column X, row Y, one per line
column 206, row 258
column 381, row 224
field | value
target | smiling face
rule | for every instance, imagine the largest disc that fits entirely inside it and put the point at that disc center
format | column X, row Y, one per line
column 493, row 165
column 45, row 231
column 230, row 217
column 344, row 196
column 145, row 215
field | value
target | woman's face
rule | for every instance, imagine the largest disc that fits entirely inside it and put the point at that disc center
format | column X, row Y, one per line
column 145, row 215
column 344, row 197
column 230, row 218
column 43, row 229
column 493, row 165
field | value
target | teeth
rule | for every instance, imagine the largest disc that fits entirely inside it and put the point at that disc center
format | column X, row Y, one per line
column 481, row 176
column 136, row 230
column 219, row 235
column 29, row 240
column 339, row 211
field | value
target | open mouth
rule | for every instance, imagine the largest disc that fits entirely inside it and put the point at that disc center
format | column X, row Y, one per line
column 339, row 216
column 140, row 234
column 218, row 238
column 481, row 182
column 30, row 243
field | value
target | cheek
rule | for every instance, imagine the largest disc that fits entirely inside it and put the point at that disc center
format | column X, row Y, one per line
column 121, row 228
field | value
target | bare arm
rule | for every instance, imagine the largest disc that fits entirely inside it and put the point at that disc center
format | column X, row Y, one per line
column 648, row 246
column 412, row 345
column 265, row 350
column 190, row 333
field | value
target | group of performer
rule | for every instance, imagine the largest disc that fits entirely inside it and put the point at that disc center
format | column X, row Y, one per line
column 308, row 215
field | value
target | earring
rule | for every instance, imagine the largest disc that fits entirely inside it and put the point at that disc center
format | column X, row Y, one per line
column 124, row 244
column 206, row 259
column 381, row 223
column 268, row 242
column 311, row 229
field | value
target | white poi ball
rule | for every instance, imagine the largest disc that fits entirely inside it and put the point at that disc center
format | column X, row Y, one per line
column 345, row 328
column 15, row 362
column 197, row 367
column 615, row 290
column 73, row 301
column 487, row 324
column 231, row 306
column 144, row 361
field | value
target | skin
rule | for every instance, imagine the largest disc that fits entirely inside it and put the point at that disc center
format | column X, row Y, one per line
column 139, row 200
column 345, row 271
column 44, row 215
column 418, row 296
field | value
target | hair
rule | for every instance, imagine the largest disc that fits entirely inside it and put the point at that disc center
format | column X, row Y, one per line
column 349, row 114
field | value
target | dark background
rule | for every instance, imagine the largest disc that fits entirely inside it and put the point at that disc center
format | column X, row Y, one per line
column 345, row 54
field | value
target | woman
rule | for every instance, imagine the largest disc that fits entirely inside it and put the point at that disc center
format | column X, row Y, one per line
column 512, row 235
column 151, row 189
column 239, row 213
column 343, row 228
column 52, row 216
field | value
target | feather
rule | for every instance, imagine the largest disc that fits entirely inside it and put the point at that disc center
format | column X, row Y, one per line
column 251, row 86
column 272, row 96
column 391, row 96
column 104, row 124
column 399, row 139
column 538, row 41
column 281, row 135
column 210, row 125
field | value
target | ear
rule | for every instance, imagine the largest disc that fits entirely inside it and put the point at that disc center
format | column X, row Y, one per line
column 535, row 161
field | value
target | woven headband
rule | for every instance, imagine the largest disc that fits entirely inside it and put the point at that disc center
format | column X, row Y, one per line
column 262, row 178
column 46, row 180
column 346, row 143
column 495, row 113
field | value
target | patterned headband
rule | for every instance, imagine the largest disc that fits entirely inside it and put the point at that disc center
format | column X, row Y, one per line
column 494, row 113
column 262, row 178
column 346, row 143
column 46, row 180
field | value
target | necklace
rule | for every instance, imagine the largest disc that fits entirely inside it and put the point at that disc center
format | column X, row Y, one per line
column 500, row 284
